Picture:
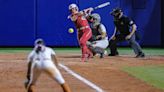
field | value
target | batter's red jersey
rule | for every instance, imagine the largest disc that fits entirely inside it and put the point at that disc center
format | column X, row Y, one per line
column 81, row 22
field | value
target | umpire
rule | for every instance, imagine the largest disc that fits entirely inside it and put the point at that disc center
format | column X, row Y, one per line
column 125, row 30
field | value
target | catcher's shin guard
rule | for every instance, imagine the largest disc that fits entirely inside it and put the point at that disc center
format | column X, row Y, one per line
column 99, row 51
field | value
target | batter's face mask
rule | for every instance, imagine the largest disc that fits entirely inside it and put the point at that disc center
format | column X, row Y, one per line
column 73, row 10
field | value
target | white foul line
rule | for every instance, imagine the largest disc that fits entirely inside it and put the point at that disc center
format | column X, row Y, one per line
column 90, row 84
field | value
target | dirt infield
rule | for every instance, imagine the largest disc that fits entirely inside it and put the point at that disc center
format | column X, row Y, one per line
column 105, row 73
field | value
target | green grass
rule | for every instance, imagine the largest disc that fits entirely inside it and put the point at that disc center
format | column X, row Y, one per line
column 58, row 50
column 147, row 51
column 153, row 75
column 14, row 50
column 122, row 51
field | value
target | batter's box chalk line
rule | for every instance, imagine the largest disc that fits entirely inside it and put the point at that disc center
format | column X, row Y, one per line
column 87, row 82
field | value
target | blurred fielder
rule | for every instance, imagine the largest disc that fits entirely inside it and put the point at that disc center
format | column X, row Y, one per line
column 83, row 28
column 41, row 59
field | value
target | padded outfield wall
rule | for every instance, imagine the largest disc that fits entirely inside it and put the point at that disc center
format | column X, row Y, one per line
column 22, row 21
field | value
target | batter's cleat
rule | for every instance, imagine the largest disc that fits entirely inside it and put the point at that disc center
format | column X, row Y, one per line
column 84, row 60
column 90, row 56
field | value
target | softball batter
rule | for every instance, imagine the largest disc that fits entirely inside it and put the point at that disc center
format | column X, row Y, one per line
column 41, row 59
column 83, row 29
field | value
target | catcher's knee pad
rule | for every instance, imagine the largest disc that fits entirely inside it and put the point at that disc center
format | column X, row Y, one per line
column 98, row 50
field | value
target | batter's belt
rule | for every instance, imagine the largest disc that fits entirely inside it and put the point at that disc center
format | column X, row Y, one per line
column 82, row 28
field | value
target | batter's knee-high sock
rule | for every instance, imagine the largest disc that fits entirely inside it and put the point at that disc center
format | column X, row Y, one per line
column 89, row 52
column 84, row 54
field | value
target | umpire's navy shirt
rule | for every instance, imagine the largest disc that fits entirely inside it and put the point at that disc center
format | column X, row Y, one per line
column 123, row 25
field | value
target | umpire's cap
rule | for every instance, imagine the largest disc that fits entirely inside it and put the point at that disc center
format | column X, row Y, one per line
column 39, row 41
column 115, row 11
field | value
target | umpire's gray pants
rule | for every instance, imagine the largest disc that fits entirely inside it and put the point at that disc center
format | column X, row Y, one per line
column 134, row 44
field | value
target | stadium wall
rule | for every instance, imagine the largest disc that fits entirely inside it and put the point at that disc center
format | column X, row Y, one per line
column 22, row 21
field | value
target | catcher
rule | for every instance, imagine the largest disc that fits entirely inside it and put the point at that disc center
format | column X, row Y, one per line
column 99, row 41
column 83, row 28
column 41, row 59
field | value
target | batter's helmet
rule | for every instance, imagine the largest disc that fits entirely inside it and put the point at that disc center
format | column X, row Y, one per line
column 71, row 6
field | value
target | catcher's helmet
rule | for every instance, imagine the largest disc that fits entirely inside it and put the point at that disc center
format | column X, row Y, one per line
column 96, row 17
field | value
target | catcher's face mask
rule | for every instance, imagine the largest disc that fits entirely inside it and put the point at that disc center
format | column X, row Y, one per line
column 95, row 19
column 91, row 19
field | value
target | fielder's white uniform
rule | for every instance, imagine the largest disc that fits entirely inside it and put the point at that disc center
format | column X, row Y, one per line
column 103, row 43
column 42, row 61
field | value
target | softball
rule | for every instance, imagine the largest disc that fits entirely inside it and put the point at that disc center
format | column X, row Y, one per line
column 70, row 30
